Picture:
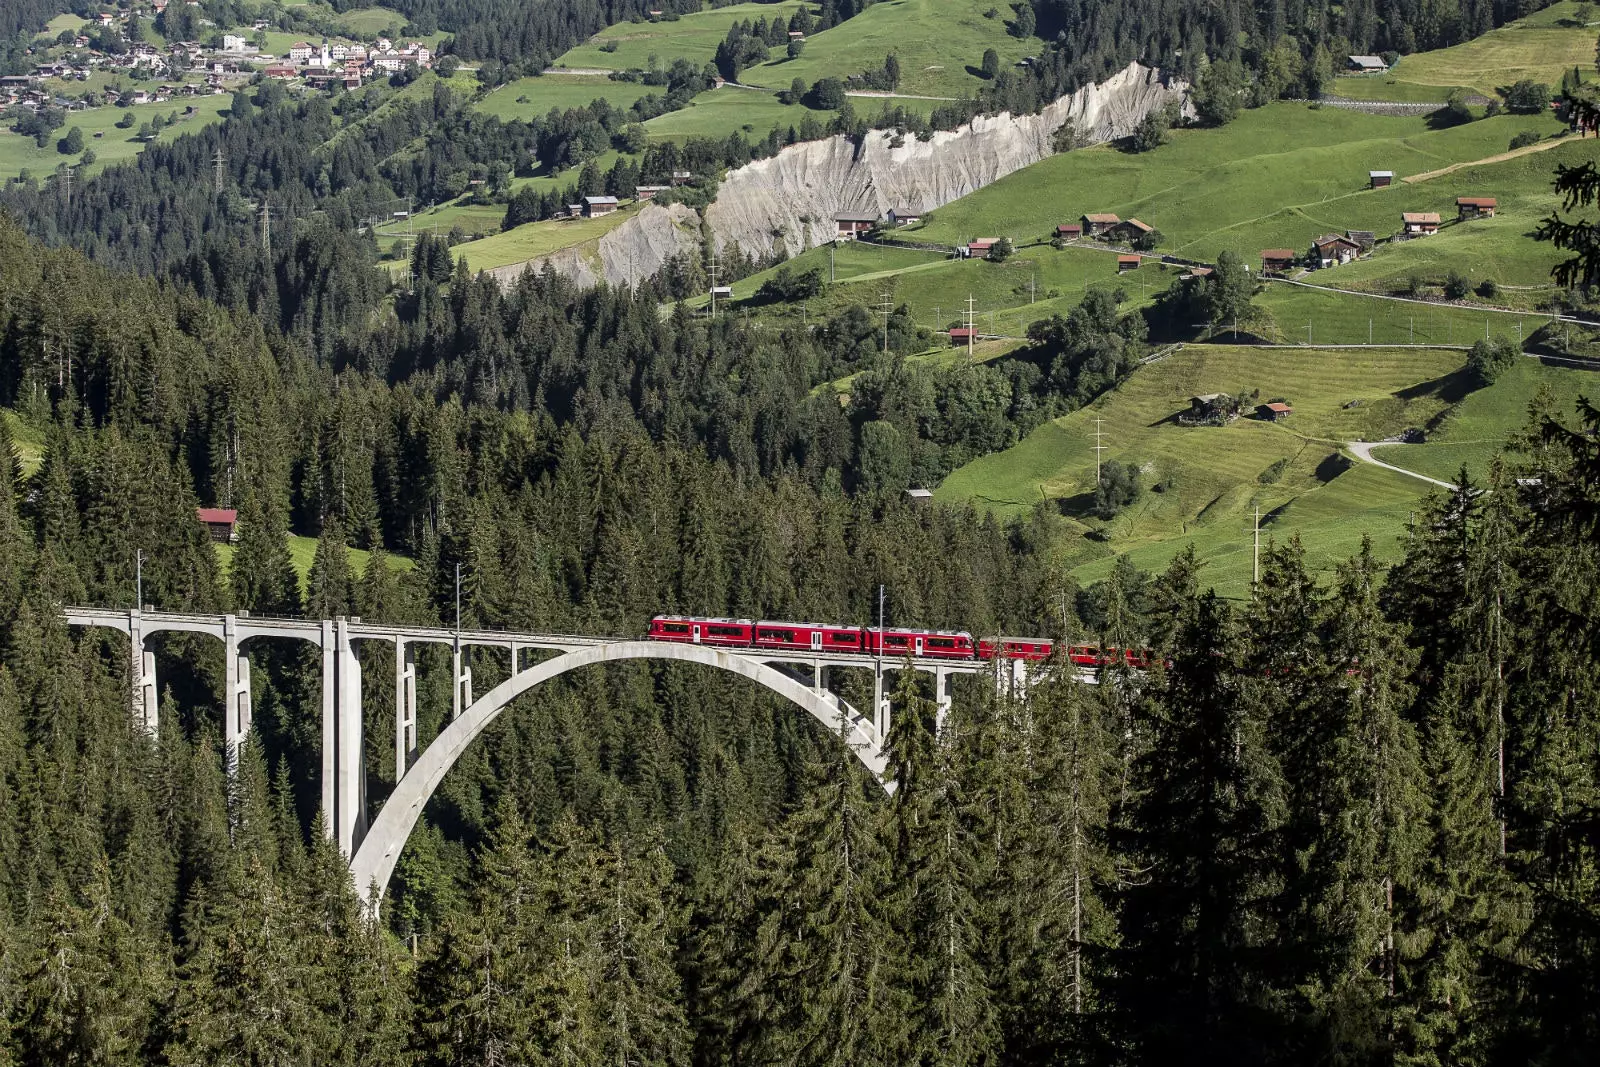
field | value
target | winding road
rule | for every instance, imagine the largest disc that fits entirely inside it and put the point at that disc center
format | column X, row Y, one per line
column 1362, row 450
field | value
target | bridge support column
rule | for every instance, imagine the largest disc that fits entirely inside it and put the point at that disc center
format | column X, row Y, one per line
column 330, row 729
column 236, row 691
column 942, row 696
column 461, row 688
column 349, row 793
column 142, row 669
column 516, row 657
column 405, row 706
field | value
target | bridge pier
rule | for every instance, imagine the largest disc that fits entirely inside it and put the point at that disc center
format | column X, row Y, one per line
column 943, row 699
column 142, row 671
column 236, row 709
column 348, row 816
column 405, row 706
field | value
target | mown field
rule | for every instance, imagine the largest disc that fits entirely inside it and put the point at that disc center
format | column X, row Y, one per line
column 1475, row 431
column 530, row 98
column 939, row 43
column 1275, row 177
column 694, row 37
column 1542, row 47
column 538, row 239
column 303, row 551
column 1214, row 477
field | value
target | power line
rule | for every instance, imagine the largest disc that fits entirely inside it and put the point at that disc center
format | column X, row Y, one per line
column 219, row 162
column 972, row 327
column 713, row 273
column 266, row 229
column 1099, row 448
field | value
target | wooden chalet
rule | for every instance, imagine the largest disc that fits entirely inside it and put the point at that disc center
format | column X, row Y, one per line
column 1069, row 231
column 1418, row 223
column 1274, row 412
column 902, row 216
column 1097, row 224
column 1475, row 207
column 220, row 523
column 960, row 335
column 1131, row 229
column 1377, row 179
column 1330, row 250
column 1127, row 263
column 596, row 206
column 850, row 223
column 1277, row 260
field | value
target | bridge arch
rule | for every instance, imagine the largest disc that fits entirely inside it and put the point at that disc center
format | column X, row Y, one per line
column 375, row 858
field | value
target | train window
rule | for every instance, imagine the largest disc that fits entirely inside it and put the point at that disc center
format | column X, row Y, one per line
column 897, row 642
column 674, row 628
column 724, row 631
column 940, row 642
column 770, row 634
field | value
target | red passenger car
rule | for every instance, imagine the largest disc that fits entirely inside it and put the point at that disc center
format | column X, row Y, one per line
column 933, row 644
column 691, row 631
column 1028, row 648
column 808, row 637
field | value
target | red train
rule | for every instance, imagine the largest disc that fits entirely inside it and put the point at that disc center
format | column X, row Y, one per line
column 869, row 641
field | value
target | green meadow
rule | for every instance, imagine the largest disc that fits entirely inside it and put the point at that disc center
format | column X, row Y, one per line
column 1541, row 47
column 1275, row 177
column 536, row 239
column 939, row 43
column 694, row 37
column 18, row 153
column 531, row 98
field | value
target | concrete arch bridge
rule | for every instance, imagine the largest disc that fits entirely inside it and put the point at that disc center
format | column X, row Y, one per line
column 373, row 849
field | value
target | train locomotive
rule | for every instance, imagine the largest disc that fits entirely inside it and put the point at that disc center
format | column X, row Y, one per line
column 829, row 639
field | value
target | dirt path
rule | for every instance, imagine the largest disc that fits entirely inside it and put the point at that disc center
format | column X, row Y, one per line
column 1526, row 150
column 877, row 94
column 1362, row 450
column 579, row 70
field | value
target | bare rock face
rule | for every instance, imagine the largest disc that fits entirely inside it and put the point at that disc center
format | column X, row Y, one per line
column 626, row 255
column 791, row 198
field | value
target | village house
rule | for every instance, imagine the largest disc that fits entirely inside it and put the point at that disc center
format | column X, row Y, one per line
column 232, row 42
column 280, row 70
column 1127, row 263
column 220, row 523
column 1069, row 231
column 300, row 52
column 681, row 177
column 596, row 206
column 960, row 335
column 1418, row 223
column 1475, row 207
column 645, row 193
column 1208, row 409
column 574, row 211
column 902, row 216
column 1276, row 411
column 1097, row 224
column 1330, row 250
column 848, row 223
column 1364, row 239
column 1366, row 64
column 1131, row 230
column 980, row 247
column 1277, row 260
column 1377, row 179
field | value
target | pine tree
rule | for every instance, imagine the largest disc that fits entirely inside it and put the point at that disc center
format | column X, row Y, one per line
column 639, row 1000
column 330, row 587
column 263, row 575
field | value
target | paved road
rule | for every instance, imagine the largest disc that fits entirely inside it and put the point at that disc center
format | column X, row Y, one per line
column 1362, row 450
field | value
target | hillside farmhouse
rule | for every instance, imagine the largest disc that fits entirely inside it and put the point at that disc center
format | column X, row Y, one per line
column 1330, row 250
column 596, row 206
column 850, row 223
column 1377, row 179
column 1277, row 260
column 1419, row 223
column 1475, row 207
column 1097, row 224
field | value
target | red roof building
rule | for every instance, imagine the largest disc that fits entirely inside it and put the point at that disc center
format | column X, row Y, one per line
column 1475, row 207
column 1127, row 263
column 220, row 523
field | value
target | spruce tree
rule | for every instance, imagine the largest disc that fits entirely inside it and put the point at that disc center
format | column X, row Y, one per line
column 330, row 587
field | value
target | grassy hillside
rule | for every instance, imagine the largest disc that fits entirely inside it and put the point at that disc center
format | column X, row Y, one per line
column 538, row 239
column 1275, row 177
column 1214, row 477
column 303, row 550
column 528, row 98
column 939, row 43
column 1542, row 47
column 18, row 153
column 694, row 37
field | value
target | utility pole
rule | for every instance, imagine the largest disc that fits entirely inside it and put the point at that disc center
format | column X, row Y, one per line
column 1255, row 571
column 713, row 281
column 883, row 308
column 1369, row 331
column 972, row 328
column 1032, row 277
column 138, row 582
column 831, row 246
column 266, row 229
column 1099, row 448
column 1308, row 331
column 1413, row 329
column 219, row 163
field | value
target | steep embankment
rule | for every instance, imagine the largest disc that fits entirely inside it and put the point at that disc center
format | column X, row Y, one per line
column 626, row 255
column 791, row 198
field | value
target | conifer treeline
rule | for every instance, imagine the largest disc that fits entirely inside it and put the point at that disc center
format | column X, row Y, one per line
column 1347, row 821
